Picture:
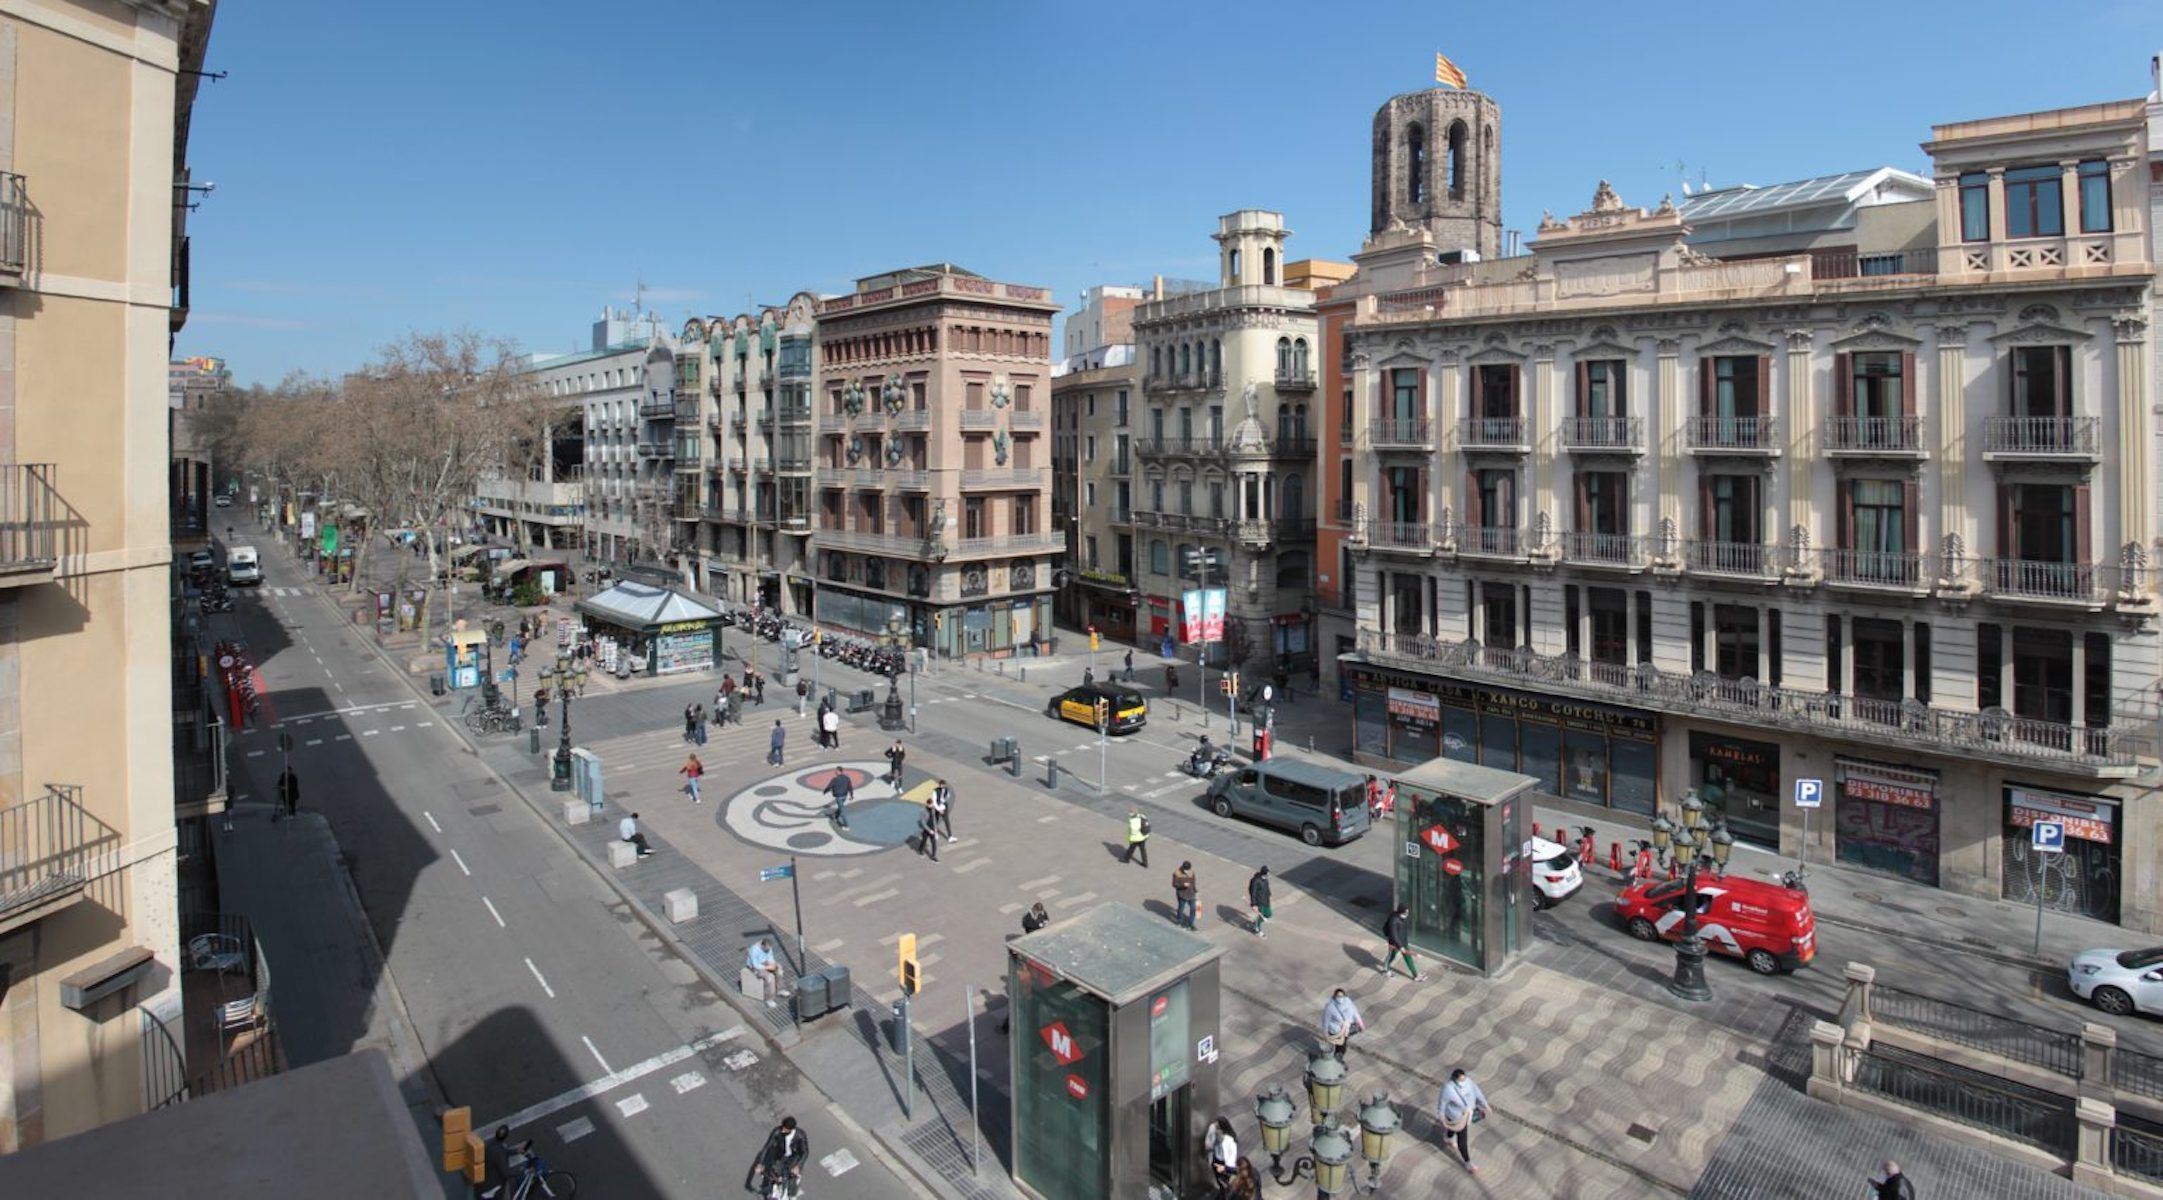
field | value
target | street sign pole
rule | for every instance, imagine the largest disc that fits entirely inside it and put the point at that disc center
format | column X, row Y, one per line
column 1809, row 794
column 976, row 1124
column 2044, row 838
column 796, row 896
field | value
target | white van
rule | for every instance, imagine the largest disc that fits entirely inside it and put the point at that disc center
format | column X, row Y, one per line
column 241, row 567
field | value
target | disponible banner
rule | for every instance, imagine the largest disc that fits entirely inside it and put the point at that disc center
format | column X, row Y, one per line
column 1201, row 613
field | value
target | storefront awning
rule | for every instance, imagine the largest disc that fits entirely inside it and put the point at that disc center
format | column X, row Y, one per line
column 633, row 605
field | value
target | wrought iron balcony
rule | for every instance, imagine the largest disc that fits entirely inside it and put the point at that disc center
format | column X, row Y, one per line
column 915, row 418
column 1612, row 435
column 1025, row 418
column 1606, row 549
column 2067, row 582
column 1873, row 435
column 833, row 422
column 30, row 514
column 661, row 406
column 1003, row 477
column 1897, row 570
column 1176, row 447
column 2040, row 437
column 1401, row 433
column 795, row 414
column 14, row 224
column 1733, row 435
column 1283, row 529
column 1899, row 725
column 979, row 418
column 1295, row 381
column 1491, row 541
column 1741, row 559
column 46, row 855
column 1492, row 433
column 1415, row 536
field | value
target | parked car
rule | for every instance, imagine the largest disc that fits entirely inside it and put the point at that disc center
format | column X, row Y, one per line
column 1555, row 873
column 1323, row 805
column 1768, row 925
column 1130, row 711
column 200, row 565
column 2119, row 981
column 221, row 500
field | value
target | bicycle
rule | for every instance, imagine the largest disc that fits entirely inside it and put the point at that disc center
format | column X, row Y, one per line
column 536, row 1179
column 781, row 1185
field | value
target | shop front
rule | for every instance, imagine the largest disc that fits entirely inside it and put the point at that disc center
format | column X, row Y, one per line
column 996, row 627
column 644, row 629
column 1110, row 610
column 1885, row 818
column 1593, row 753
column 1739, row 781
column 2084, row 879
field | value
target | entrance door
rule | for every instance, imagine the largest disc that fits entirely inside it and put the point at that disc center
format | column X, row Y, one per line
column 1171, row 1143
column 1444, row 887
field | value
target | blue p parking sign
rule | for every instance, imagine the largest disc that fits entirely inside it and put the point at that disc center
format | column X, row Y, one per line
column 2048, row 836
column 1809, row 793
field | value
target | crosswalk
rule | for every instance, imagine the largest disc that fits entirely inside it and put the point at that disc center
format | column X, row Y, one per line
column 339, row 725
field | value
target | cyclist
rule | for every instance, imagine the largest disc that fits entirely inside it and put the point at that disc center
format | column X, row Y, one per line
column 783, row 1157
column 504, row 1159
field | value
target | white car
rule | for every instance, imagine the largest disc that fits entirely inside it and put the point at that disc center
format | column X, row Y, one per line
column 1555, row 873
column 222, row 500
column 2119, row 981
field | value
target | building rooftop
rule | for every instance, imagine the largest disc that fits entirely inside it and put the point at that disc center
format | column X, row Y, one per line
column 1116, row 951
column 1751, row 200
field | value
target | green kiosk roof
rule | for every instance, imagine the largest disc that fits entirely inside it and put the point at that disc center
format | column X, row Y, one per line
column 1466, row 781
column 1116, row 951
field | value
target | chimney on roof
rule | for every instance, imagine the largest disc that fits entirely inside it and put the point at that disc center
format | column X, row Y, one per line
column 1156, row 288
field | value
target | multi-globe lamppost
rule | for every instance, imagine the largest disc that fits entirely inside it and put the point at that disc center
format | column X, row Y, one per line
column 1329, row 1157
column 1693, row 842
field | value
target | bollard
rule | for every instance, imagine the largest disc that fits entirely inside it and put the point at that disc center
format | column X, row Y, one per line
column 1051, row 772
column 533, row 739
column 1002, row 666
column 1023, row 672
column 1614, row 857
column 1310, row 743
column 1013, row 761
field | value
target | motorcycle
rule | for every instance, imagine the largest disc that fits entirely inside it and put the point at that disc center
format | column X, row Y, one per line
column 1205, row 764
column 216, row 602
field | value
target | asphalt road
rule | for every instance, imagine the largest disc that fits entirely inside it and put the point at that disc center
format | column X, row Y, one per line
column 535, row 995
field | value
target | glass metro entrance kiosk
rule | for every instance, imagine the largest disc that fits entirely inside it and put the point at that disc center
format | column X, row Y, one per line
column 1115, row 1023
column 1461, row 868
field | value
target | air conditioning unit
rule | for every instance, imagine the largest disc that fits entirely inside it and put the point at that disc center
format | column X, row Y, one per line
column 1457, row 257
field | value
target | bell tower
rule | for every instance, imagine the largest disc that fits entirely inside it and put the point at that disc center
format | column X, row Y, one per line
column 1438, row 168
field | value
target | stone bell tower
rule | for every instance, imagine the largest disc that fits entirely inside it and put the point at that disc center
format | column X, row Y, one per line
column 1438, row 168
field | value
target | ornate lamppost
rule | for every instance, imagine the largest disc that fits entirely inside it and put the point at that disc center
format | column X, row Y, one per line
column 1692, row 843
column 1330, row 1147
column 560, row 766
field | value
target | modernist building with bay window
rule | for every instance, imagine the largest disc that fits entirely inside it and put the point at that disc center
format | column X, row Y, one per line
column 1868, row 499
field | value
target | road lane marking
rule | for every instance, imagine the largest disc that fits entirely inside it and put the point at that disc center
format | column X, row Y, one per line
column 424, row 725
column 315, row 741
column 398, row 729
column 255, row 754
column 327, row 674
column 613, row 1080
column 632, row 1105
column 1034, row 884
column 493, row 913
column 461, row 863
column 688, row 1081
column 605, row 1068
column 432, row 820
column 875, row 897
column 1047, row 818
column 370, row 732
column 1070, row 901
column 345, row 737
column 571, row 1131
column 543, row 982
column 971, row 865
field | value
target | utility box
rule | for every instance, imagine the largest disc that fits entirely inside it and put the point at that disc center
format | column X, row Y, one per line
column 837, row 986
column 1002, row 749
column 811, row 997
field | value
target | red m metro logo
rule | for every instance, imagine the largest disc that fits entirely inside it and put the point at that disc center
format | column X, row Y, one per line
column 1439, row 840
column 1055, row 1035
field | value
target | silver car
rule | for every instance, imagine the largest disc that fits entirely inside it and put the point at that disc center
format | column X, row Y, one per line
column 2119, row 981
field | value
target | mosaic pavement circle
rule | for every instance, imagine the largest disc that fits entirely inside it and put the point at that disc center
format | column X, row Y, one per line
column 791, row 812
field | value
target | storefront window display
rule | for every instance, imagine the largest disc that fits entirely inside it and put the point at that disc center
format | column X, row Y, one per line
column 1414, row 718
column 1885, row 818
column 1739, row 781
column 2084, row 878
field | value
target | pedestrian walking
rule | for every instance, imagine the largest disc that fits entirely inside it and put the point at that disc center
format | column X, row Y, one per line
column 1171, row 678
column 627, row 830
column 830, row 725
column 289, row 793
column 1396, row 936
column 1246, row 1182
column 1389, row 797
column 690, row 723
column 1089, row 677
column 776, row 743
column 1183, row 895
column 1258, row 900
column 927, row 833
column 1460, row 1104
column 942, row 805
column 1222, row 1147
column 727, row 688
column 842, row 791
column 1891, row 1184
column 1374, row 798
column 1130, row 666
column 736, row 709
column 758, row 687
column 698, row 725
column 1340, row 1020
column 692, row 771
column 1137, row 838
column 895, row 756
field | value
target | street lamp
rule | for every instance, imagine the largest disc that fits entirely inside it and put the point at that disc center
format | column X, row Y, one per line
column 1692, row 843
column 890, row 717
column 560, row 768
column 1330, row 1146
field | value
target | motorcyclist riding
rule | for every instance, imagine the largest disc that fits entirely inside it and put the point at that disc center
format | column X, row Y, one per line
column 1204, row 759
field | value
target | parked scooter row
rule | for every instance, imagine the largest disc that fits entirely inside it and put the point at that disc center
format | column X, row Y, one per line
column 215, row 599
column 864, row 656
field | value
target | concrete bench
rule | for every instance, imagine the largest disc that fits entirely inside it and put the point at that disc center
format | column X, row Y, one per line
column 682, row 904
column 622, row 854
column 577, row 812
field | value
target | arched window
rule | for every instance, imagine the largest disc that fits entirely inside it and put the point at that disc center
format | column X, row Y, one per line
column 1415, row 164
column 1292, row 569
column 1216, row 359
column 1456, row 163
column 1156, row 495
column 1186, row 359
column 1292, row 497
column 1269, row 266
column 1233, row 263
column 1284, row 356
column 1160, row 557
column 1299, row 356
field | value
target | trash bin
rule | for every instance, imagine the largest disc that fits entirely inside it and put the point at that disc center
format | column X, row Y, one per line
column 1002, row 749
column 810, row 997
column 435, row 684
column 897, row 1031
column 837, row 986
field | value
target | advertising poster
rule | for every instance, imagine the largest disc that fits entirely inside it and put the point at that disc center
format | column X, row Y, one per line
column 1190, row 615
column 1213, row 614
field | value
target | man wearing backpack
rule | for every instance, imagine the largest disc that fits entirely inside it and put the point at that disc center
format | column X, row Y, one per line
column 1137, row 838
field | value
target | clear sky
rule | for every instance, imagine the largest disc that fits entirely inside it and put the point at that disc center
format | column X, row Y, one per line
column 512, row 167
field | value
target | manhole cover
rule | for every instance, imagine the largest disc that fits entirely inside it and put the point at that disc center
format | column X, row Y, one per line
column 1869, row 897
column 1947, row 910
column 485, row 810
column 1364, row 902
column 1643, row 1134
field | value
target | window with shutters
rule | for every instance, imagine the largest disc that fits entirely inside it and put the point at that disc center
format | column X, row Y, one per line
column 1404, row 394
column 1737, row 392
column 1404, row 495
column 1610, row 619
column 2042, row 523
column 1880, row 403
column 1736, row 641
column 1493, row 527
column 1602, row 395
column 1734, row 512
column 1602, row 526
column 1495, row 418
column 1498, row 610
column 1876, row 533
column 2043, row 675
column 2043, row 542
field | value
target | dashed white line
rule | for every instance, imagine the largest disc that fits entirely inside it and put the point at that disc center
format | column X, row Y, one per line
column 432, row 820
column 688, row 1081
column 632, row 1105
column 590, row 1049
column 327, row 674
column 398, row 729
column 370, row 732
column 345, row 737
column 571, row 1131
column 255, row 754
column 315, row 741
column 499, row 919
column 461, row 863
column 424, row 725
column 537, row 978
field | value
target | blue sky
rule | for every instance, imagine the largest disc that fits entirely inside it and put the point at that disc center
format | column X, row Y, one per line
column 510, row 168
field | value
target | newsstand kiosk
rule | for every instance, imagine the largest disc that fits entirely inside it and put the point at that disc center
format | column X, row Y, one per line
column 1461, row 869
column 1114, row 1057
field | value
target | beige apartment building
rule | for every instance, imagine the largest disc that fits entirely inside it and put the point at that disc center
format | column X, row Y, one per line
column 932, row 515
column 743, row 454
column 1872, row 504
column 1096, row 404
column 92, row 287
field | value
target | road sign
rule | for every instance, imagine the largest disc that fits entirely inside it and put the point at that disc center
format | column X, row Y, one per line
column 770, row 874
column 2048, row 836
column 1809, row 793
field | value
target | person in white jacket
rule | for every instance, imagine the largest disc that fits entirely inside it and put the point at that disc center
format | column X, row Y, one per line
column 1457, row 1107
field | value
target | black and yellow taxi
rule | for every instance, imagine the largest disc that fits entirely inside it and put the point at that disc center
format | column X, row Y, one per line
column 1129, row 711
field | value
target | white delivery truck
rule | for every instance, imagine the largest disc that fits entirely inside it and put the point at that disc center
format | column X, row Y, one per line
column 241, row 567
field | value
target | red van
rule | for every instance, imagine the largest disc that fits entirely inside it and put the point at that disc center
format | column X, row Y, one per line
column 1767, row 925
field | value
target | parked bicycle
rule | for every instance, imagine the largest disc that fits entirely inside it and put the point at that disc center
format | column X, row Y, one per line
column 536, row 1178
column 490, row 718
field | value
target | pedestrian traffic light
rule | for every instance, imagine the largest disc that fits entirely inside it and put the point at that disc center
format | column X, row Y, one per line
column 1224, row 686
column 911, row 973
column 1104, row 714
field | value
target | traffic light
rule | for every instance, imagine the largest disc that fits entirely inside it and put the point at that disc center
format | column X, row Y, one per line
column 1094, row 641
column 1104, row 714
column 1224, row 686
column 462, row 1149
column 906, row 966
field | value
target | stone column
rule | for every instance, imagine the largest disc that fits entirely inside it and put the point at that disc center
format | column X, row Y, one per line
column 2134, row 447
column 1828, row 1075
column 1802, row 440
column 1667, row 438
column 2080, row 680
column 2097, row 1044
column 1540, row 406
column 1631, row 649
column 2091, row 1159
column 1907, row 658
column 1861, row 979
column 1443, row 381
column 1954, row 529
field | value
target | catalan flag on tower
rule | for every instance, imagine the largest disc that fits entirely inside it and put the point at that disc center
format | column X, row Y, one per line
column 1448, row 72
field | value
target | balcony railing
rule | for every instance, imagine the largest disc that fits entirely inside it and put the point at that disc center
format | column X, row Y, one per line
column 1401, row 433
column 657, row 407
column 2041, row 437
column 1295, row 381
column 1344, row 510
column 655, row 449
column 1003, row 477
column 14, row 224
column 1496, row 541
column 1850, row 263
column 1898, row 569
column 2032, row 579
column 1909, row 725
column 1750, row 434
column 1010, row 544
column 46, row 854
column 1283, row 529
column 1493, row 433
column 794, row 414
column 686, row 410
column 1733, row 558
column 29, row 518
column 1603, row 433
column 1160, row 447
column 833, row 422
column 1606, row 549
column 1401, row 535
column 1023, row 418
column 1873, row 434
column 1189, row 382
column 1291, row 445
column 915, row 418
column 904, row 545
column 1179, row 522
